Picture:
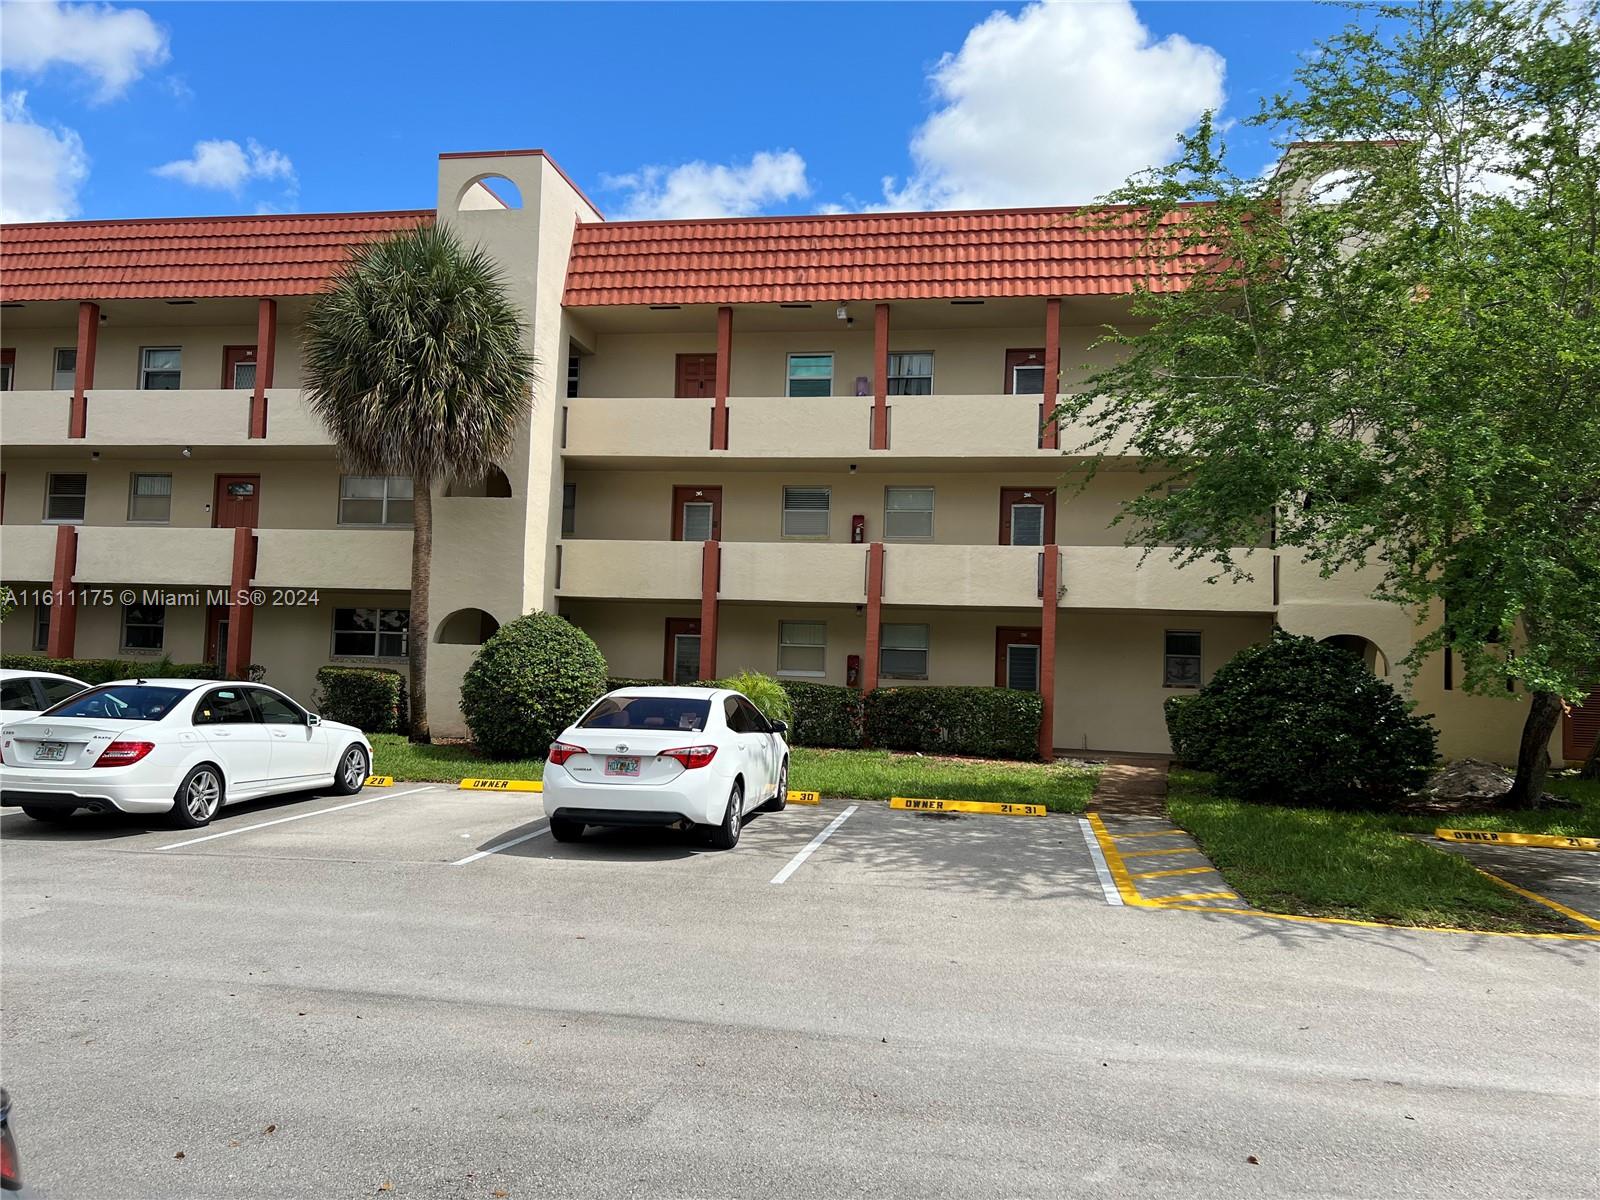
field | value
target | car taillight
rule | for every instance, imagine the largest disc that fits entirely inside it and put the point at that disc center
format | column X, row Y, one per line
column 692, row 756
column 561, row 751
column 10, row 1171
column 120, row 754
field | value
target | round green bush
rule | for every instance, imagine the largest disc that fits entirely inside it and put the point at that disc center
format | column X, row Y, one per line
column 531, row 680
column 1293, row 721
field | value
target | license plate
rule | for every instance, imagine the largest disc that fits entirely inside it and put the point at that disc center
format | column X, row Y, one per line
column 622, row 766
column 50, row 752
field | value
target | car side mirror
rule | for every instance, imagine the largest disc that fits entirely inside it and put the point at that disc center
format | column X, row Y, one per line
column 780, row 727
column 313, row 719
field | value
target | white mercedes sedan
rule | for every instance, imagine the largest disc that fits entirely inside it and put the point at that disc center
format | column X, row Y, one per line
column 23, row 693
column 179, row 746
column 667, row 756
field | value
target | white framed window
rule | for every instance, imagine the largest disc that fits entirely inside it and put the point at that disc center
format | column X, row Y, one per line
column 685, row 658
column 161, row 368
column 908, row 513
column 41, row 627
column 805, row 512
column 1022, row 667
column 1027, row 379
column 144, row 626
column 803, row 648
column 1181, row 667
column 374, row 500
column 1027, row 524
column 903, row 652
column 911, row 374
column 370, row 632
column 64, row 372
column 698, row 518
column 150, row 499
column 810, row 375
column 64, row 498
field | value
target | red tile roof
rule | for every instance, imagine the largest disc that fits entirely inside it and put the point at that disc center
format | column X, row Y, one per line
column 888, row 256
column 185, row 257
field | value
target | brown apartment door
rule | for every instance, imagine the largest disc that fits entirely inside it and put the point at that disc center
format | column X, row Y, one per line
column 1024, row 373
column 696, row 514
column 697, row 375
column 237, row 502
column 1027, row 516
column 239, row 367
column 681, row 664
column 1016, row 658
column 217, row 635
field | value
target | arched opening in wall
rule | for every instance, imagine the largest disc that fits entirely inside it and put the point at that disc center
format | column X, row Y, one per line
column 467, row 627
column 492, row 483
column 489, row 193
column 1363, row 648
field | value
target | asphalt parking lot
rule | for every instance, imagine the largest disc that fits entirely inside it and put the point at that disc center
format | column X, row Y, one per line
column 419, row 993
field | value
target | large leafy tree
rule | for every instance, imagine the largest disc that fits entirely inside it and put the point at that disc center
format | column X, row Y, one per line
column 1391, row 342
column 415, row 361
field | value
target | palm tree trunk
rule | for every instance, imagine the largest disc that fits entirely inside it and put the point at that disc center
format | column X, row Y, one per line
column 1533, row 756
column 421, row 580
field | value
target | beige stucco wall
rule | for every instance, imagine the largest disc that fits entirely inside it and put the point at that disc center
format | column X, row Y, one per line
column 116, row 363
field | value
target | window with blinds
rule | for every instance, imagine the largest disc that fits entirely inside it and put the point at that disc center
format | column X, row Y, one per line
column 150, row 499
column 810, row 375
column 802, row 648
column 64, row 370
column 375, row 500
column 1182, row 659
column 805, row 512
column 903, row 652
column 908, row 513
column 1027, row 524
column 911, row 374
column 65, row 497
column 1022, row 667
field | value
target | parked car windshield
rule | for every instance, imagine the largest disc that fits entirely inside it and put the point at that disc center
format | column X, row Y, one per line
column 128, row 702
column 648, row 712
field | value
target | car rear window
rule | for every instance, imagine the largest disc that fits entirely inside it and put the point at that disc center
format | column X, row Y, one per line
column 130, row 702
column 682, row 713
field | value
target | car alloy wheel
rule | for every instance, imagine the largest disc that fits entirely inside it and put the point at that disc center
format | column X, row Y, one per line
column 354, row 770
column 202, row 796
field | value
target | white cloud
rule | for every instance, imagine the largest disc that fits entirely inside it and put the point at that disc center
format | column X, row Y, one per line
column 225, row 165
column 42, row 167
column 700, row 189
column 114, row 46
column 1055, row 105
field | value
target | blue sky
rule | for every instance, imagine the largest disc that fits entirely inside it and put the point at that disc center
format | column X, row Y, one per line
column 658, row 109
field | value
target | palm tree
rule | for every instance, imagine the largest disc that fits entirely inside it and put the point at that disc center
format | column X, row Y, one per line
column 414, row 360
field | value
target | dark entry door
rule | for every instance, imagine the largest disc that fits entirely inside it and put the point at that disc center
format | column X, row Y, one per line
column 681, row 662
column 1580, row 727
column 1016, row 658
column 1027, row 516
column 697, row 375
column 237, row 502
column 239, row 367
column 217, row 635
column 1024, row 372
column 696, row 514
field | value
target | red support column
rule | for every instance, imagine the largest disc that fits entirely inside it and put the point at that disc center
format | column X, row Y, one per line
column 710, row 582
column 63, row 600
column 266, row 357
column 1052, row 369
column 83, row 375
column 1047, row 650
column 880, row 378
column 241, row 612
column 719, row 413
column 869, row 664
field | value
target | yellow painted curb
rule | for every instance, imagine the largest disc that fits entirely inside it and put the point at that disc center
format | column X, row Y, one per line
column 805, row 797
column 1122, row 837
column 1548, row 841
column 1174, row 871
column 1572, row 914
column 1153, row 853
column 911, row 804
column 379, row 781
column 501, row 785
column 1187, row 896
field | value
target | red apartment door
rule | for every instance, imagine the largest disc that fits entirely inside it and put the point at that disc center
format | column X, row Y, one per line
column 217, row 635
column 237, row 502
column 1580, row 727
column 681, row 663
column 239, row 367
column 1027, row 516
column 696, row 514
column 1024, row 373
column 1016, row 658
column 697, row 375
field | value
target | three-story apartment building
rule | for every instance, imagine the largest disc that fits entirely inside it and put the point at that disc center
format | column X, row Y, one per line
column 814, row 447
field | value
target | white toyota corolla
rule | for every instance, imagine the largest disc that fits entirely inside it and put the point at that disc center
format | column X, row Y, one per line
column 184, row 746
column 675, row 756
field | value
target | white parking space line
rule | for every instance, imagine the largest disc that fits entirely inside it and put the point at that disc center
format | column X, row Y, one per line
column 1107, row 884
column 516, row 841
column 811, row 846
column 211, row 837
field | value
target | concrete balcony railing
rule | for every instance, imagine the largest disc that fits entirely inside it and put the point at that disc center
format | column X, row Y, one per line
column 936, row 576
column 186, row 417
column 1113, row 577
column 181, row 557
column 368, row 559
column 802, row 573
column 625, row 570
column 636, row 428
column 27, row 553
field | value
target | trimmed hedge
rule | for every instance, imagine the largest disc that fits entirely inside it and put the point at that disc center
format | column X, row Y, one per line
column 616, row 682
column 531, row 680
column 765, row 692
column 104, row 670
column 980, row 721
column 825, row 714
column 373, row 699
column 1294, row 721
